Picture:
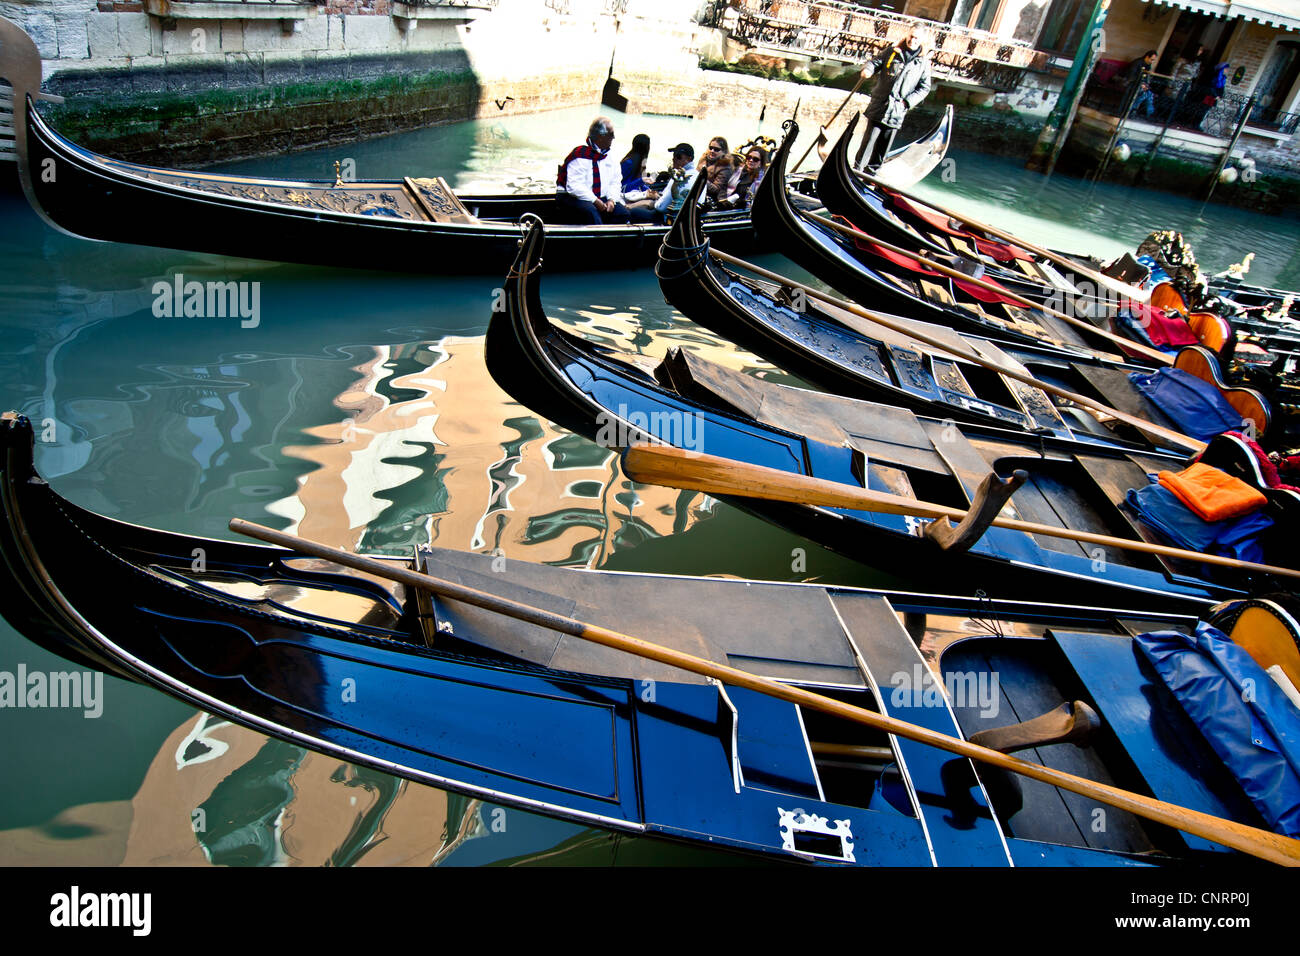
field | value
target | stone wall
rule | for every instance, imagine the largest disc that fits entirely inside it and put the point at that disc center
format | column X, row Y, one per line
column 208, row 90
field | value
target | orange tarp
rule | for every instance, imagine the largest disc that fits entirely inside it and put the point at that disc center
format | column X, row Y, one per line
column 1213, row 494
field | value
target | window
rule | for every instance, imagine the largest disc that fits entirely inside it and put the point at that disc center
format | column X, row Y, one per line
column 1276, row 81
column 1066, row 21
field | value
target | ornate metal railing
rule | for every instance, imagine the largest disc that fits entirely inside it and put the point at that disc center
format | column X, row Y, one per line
column 1187, row 109
column 827, row 29
column 1264, row 117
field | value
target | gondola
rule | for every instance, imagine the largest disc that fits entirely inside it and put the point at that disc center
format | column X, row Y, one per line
column 885, row 213
column 389, row 675
column 416, row 225
column 864, row 271
column 689, row 402
column 846, row 354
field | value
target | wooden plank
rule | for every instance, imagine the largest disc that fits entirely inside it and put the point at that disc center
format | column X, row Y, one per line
column 1114, row 477
column 881, row 432
column 437, row 200
column 937, row 293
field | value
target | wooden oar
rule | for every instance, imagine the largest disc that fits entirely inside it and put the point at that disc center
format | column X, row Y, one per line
column 1149, row 428
column 695, row 471
column 1251, row 840
column 856, row 86
column 1154, row 354
column 1123, row 288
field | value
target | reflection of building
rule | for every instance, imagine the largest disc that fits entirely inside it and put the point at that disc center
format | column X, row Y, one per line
column 218, row 794
column 430, row 449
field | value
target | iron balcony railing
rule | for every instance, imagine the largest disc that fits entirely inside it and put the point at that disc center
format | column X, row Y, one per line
column 830, row 30
column 1187, row 108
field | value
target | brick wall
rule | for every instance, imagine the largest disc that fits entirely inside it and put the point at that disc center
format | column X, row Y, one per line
column 1249, row 47
column 379, row 8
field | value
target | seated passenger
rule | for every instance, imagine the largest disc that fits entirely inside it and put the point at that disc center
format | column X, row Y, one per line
column 639, row 196
column 590, row 182
column 633, row 164
column 716, row 167
column 681, row 178
column 743, row 183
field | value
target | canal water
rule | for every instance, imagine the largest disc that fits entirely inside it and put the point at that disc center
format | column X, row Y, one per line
column 358, row 412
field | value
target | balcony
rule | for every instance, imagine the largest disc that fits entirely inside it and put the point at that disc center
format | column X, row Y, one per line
column 409, row 11
column 828, row 30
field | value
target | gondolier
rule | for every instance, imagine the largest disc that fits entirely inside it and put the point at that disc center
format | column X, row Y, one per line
column 903, row 81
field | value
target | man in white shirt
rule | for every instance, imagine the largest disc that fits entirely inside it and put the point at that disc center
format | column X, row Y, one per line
column 590, row 180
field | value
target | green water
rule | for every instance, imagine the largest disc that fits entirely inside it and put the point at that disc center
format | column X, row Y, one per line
column 359, row 412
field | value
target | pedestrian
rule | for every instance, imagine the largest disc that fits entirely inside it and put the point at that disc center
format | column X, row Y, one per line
column 1136, row 77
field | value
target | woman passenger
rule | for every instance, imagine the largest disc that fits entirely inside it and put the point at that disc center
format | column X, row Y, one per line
column 743, row 183
column 716, row 168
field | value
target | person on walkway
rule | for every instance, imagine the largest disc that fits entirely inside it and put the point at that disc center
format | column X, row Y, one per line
column 1136, row 76
column 1187, row 74
column 590, row 181
column 1218, row 83
column 903, row 81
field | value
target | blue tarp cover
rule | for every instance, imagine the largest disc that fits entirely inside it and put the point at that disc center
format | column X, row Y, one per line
column 1245, row 717
column 1158, row 275
column 1160, row 509
column 1198, row 407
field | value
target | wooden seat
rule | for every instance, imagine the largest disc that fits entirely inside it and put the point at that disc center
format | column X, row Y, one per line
column 1267, row 630
column 1165, row 296
column 436, row 199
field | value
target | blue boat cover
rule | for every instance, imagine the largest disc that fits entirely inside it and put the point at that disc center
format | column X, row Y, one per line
column 1160, row 509
column 1197, row 406
column 1158, row 275
column 1245, row 717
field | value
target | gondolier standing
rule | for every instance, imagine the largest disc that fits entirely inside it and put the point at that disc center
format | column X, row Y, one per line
column 903, row 81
